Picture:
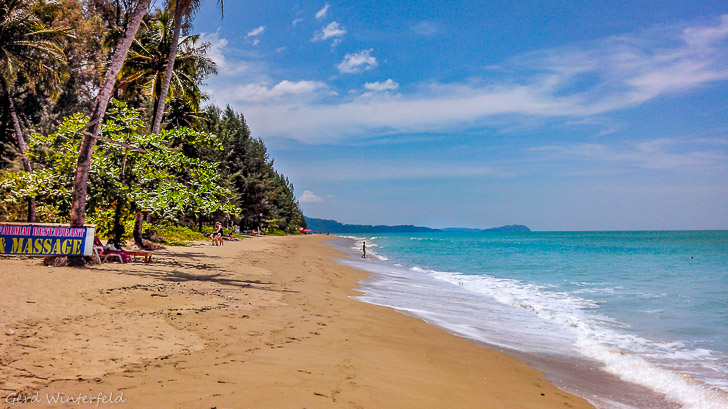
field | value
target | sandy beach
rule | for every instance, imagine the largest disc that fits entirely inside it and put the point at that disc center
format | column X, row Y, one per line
column 262, row 323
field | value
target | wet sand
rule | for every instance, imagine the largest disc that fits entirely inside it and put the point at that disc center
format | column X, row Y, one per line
column 262, row 323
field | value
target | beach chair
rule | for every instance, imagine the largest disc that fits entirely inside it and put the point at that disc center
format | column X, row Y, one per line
column 147, row 256
column 103, row 255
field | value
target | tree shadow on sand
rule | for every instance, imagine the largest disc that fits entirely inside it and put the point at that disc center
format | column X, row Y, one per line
column 186, row 265
column 219, row 278
column 178, row 276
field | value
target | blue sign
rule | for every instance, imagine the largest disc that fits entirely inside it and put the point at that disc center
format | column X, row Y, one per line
column 31, row 239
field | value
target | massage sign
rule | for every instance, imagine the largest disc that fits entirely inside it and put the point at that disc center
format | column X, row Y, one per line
column 46, row 239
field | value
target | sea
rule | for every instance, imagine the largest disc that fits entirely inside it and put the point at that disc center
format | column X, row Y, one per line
column 627, row 320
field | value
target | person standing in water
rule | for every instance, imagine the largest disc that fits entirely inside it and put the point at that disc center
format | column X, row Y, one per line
column 364, row 250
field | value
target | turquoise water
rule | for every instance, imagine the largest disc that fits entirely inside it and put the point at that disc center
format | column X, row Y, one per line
column 649, row 308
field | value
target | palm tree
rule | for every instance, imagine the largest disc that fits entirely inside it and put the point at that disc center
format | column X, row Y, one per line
column 145, row 66
column 31, row 53
column 182, row 8
column 80, row 179
column 181, row 114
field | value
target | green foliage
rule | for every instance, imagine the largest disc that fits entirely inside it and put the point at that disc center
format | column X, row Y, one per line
column 144, row 172
column 274, row 232
column 29, row 49
column 104, row 221
column 205, row 167
column 173, row 234
column 261, row 192
column 103, row 218
column 140, row 79
column 32, row 63
column 95, row 27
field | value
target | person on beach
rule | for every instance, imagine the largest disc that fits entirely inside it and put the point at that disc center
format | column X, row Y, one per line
column 364, row 249
column 217, row 235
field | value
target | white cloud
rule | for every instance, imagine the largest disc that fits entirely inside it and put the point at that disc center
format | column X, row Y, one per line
column 374, row 170
column 217, row 45
column 420, row 113
column 262, row 93
column 289, row 87
column 357, row 62
column 573, row 83
column 322, row 13
column 256, row 31
column 381, row 86
column 296, row 21
column 426, row 28
column 704, row 36
column 628, row 70
column 216, row 52
column 309, row 197
column 333, row 30
column 656, row 154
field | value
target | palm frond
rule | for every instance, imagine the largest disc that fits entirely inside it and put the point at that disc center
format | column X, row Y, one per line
column 28, row 48
column 145, row 65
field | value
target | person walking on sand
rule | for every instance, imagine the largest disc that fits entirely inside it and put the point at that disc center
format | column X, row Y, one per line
column 364, row 249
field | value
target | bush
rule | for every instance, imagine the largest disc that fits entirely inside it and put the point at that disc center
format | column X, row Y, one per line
column 274, row 232
column 173, row 235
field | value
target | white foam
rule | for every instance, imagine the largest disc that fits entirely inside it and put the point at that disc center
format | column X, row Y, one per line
column 635, row 369
column 355, row 238
column 595, row 339
column 359, row 241
column 550, row 321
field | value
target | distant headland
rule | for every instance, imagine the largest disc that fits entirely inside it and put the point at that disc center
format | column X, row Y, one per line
column 327, row 225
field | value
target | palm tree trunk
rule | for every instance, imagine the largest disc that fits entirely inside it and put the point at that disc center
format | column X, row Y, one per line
column 179, row 12
column 80, row 180
column 118, row 229
column 22, row 146
column 138, row 226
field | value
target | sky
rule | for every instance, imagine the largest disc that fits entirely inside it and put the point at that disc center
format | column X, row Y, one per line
column 560, row 115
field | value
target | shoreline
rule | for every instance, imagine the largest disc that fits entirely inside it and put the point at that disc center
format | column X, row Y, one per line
column 263, row 323
column 575, row 374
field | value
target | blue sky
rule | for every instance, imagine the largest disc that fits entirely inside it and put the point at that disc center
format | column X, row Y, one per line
column 576, row 115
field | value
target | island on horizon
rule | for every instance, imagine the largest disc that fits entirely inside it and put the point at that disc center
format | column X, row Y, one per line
column 333, row 226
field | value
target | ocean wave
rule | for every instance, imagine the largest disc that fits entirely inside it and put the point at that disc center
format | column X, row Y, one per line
column 564, row 320
column 595, row 339
column 635, row 369
column 358, row 241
